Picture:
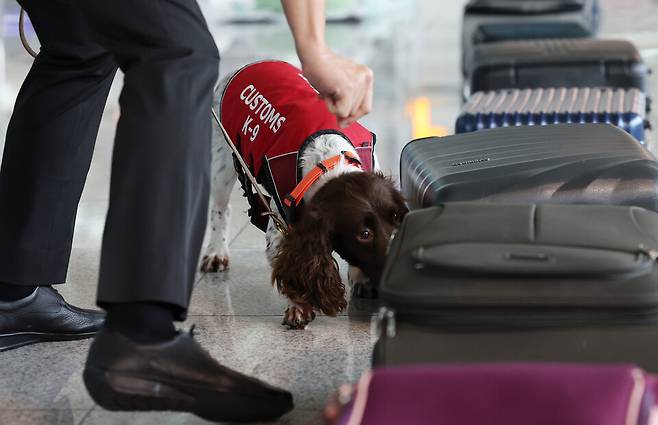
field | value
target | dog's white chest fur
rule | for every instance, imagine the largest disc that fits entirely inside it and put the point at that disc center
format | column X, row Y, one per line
column 321, row 148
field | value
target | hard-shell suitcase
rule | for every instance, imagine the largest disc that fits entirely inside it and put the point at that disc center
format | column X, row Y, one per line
column 555, row 63
column 625, row 108
column 473, row 282
column 488, row 21
column 492, row 394
column 561, row 163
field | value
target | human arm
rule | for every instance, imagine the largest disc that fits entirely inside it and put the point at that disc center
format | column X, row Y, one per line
column 346, row 86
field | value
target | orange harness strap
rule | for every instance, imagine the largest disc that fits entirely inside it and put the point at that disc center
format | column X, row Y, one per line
column 296, row 196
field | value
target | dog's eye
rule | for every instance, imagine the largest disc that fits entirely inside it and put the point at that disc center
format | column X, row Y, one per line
column 365, row 235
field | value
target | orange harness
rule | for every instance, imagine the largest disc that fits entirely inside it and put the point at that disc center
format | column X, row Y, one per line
column 294, row 198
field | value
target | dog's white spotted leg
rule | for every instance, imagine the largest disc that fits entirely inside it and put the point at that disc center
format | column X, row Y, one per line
column 360, row 284
column 216, row 258
column 216, row 253
column 298, row 316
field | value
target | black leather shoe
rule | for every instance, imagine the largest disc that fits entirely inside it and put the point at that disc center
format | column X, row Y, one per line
column 45, row 316
column 176, row 375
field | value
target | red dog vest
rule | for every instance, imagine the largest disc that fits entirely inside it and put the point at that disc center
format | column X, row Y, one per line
column 271, row 112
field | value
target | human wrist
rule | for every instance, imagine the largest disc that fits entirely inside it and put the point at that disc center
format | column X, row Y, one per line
column 311, row 48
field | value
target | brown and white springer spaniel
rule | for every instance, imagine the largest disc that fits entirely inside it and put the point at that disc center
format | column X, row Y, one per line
column 347, row 210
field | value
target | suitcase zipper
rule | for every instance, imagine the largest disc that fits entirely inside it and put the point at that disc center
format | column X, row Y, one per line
column 478, row 319
column 420, row 264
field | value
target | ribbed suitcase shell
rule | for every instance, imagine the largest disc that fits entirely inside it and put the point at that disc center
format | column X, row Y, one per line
column 561, row 163
column 488, row 21
column 513, row 107
column 556, row 63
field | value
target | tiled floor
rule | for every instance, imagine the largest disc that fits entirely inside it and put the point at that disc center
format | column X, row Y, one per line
column 413, row 48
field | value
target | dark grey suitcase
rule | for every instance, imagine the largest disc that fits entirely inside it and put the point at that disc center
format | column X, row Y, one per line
column 555, row 63
column 625, row 108
column 477, row 282
column 488, row 21
column 402, row 343
column 561, row 163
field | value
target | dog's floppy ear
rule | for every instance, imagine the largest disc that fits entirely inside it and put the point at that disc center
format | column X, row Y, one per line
column 304, row 269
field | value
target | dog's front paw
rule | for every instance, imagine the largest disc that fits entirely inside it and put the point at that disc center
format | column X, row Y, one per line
column 214, row 263
column 297, row 317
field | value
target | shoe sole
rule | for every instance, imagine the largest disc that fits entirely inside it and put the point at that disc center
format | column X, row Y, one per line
column 120, row 392
column 12, row 341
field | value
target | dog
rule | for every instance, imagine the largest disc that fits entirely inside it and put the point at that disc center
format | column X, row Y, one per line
column 325, row 180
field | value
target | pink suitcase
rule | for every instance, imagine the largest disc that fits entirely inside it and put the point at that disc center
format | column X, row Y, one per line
column 502, row 394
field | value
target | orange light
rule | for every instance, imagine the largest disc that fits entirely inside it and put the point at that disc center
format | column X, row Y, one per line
column 420, row 111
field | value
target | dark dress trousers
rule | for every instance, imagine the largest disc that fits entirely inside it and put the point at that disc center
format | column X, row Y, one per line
column 161, row 160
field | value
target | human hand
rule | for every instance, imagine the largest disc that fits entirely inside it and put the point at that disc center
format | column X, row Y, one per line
column 345, row 86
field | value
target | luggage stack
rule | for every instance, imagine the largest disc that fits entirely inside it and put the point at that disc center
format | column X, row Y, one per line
column 535, row 62
column 487, row 21
column 531, row 247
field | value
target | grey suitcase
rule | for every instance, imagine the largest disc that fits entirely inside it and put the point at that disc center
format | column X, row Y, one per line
column 561, row 163
column 556, row 63
column 401, row 343
column 482, row 282
column 625, row 108
column 488, row 21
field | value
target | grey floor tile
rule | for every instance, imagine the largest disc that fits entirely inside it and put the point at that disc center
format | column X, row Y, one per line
column 245, row 289
column 82, row 280
column 99, row 416
column 44, row 376
column 42, row 417
column 103, row 417
column 310, row 363
column 89, row 224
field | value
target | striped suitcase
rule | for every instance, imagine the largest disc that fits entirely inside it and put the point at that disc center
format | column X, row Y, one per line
column 560, row 163
column 514, row 107
column 488, row 21
column 556, row 63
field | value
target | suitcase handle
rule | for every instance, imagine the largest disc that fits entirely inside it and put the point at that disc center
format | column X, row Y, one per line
column 531, row 260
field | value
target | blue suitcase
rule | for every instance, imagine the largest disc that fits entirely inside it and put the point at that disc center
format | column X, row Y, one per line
column 488, row 21
column 513, row 107
column 556, row 63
